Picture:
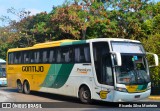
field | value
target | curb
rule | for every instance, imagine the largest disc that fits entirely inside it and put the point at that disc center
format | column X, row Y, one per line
column 154, row 97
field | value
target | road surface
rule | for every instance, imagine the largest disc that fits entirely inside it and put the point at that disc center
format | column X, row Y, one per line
column 55, row 102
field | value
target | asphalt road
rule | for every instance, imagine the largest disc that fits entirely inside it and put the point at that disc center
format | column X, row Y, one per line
column 56, row 102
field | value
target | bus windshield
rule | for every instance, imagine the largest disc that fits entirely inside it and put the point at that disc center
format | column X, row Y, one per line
column 133, row 70
column 2, row 72
column 127, row 47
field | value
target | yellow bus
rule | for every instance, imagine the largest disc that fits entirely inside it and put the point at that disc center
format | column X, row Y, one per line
column 106, row 69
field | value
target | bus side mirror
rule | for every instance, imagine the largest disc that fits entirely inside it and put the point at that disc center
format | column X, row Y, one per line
column 155, row 59
column 117, row 58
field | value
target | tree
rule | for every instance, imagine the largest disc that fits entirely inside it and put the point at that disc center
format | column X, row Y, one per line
column 87, row 19
column 129, row 16
column 37, row 26
column 152, row 42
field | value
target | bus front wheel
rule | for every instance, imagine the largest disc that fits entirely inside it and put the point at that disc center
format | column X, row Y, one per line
column 19, row 87
column 26, row 87
column 85, row 95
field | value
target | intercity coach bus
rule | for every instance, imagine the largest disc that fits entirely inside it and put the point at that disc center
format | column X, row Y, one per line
column 105, row 69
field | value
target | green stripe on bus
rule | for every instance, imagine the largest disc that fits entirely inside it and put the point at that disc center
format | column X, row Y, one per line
column 63, row 75
column 52, row 75
column 57, row 75
column 73, row 43
column 66, row 43
column 142, row 87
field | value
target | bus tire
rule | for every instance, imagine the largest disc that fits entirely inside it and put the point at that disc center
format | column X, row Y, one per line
column 26, row 87
column 85, row 95
column 19, row 87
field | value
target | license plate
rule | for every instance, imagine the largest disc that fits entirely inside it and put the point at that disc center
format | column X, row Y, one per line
column 137, row 96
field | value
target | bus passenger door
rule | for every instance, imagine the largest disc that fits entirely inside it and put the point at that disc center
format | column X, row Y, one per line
column 103, row 68
column 107, row 88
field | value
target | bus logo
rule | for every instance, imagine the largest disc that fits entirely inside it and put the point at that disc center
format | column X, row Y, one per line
column 83, row 71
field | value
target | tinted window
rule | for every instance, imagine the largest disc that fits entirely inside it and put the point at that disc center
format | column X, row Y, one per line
column 46, row 54
column 10, row 58
column 82, row 54
column 25, row 57
column 17, row 58
column 52, row 55
column 64, row 54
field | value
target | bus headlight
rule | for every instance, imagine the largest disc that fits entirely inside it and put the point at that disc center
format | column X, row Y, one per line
column 148, row 87
column 121, row 89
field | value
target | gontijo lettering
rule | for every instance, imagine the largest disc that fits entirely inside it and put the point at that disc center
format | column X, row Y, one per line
column 32, row 68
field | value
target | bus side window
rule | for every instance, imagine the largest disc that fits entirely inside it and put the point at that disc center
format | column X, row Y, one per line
column 70, row 56
column 26, row 57
column 66, row 54
column 52, row 56
column 36, row 56
column 77, row 54
column 17, row 57
column 82, row 54
column 87, row 54
column 32, row 57
column 45, row 59
column 59, row 55
column 20, row 58
column 40, row 60
column 11, row 56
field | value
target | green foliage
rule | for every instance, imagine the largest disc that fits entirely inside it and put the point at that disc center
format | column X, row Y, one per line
column 129, row 16
column 85, row 20
column 152, row 44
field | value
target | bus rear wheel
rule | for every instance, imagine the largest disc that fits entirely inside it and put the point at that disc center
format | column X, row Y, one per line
column 85, row 95
column 26, row 87
column 19, row 87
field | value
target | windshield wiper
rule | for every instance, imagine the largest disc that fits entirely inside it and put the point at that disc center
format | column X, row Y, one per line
column 132, row 75
column 139, row 72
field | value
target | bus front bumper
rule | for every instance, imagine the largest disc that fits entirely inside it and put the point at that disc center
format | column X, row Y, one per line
column 129, row 97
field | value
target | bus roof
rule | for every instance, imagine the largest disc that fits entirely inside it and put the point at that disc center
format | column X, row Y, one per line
column 114, row 39
column 43, row 45
column 68, row 42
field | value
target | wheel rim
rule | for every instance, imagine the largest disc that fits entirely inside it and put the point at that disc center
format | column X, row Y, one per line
column 85, row 94
column 26, row 87
column 19, row 87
